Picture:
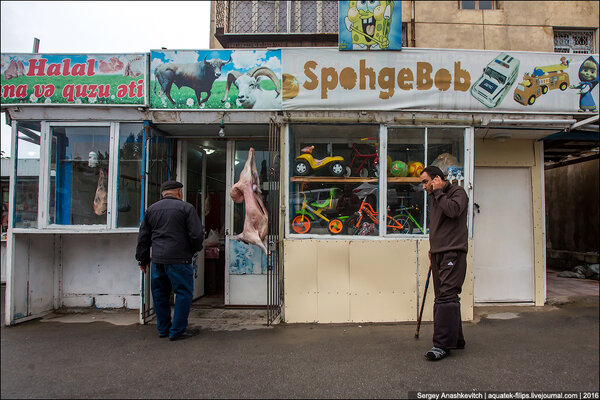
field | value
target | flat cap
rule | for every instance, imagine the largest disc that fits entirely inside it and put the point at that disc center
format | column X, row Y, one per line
column 170, row 185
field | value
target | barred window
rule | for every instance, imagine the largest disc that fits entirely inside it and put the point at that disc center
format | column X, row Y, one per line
column 478, row 5
column 272, row 16
column 579, row 41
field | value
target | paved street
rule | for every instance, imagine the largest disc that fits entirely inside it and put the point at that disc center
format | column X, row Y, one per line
column 508, row 348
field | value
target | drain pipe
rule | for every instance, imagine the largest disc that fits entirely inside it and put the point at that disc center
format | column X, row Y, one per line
column 413, row 36
column 584, row 122
column 531, row 121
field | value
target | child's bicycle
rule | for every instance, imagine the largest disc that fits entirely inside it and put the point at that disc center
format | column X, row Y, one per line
column 365, row 159
column 366, row 214
column 407, row 220
column 302, row 221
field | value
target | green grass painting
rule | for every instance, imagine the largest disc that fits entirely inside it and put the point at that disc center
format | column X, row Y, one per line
column 185, row 98
column 60, row 82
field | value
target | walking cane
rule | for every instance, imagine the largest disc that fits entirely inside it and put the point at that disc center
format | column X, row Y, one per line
column 423, row 305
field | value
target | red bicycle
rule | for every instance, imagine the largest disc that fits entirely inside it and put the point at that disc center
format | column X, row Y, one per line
column 365, row 159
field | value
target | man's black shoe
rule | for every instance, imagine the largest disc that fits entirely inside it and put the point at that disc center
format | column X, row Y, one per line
column 460, row 344
column 436, row 354
column 187, row 334
column 163, row 336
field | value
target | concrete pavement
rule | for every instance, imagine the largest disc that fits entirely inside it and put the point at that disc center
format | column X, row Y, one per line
column 508, row 348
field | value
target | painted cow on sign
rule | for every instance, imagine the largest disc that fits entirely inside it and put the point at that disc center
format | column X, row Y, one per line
column 198, row 76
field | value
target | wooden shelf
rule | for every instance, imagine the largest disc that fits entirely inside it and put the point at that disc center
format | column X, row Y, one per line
column 406, row 179
column 352, row 179
column 331, row 179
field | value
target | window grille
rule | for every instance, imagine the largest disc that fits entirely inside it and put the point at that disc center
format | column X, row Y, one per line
column 578, row 42
column 264, row 16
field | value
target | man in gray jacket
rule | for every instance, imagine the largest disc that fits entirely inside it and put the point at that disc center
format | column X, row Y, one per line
column 448, row 247
column 174, row 231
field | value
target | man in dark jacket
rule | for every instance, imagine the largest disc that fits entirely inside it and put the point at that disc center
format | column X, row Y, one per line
column 174, row 231
column 448, row 247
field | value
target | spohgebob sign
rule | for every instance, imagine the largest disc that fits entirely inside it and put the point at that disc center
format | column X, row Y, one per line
column 438, row 79
column 310, row 79
column 95, row 79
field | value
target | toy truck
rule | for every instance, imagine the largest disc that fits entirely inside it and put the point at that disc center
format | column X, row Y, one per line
column 540, row 81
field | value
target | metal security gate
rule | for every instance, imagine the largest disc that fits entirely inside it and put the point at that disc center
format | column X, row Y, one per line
column 159, row 166
column 274, row 277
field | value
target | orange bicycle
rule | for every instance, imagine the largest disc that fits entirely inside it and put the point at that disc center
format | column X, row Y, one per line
column 367, row 215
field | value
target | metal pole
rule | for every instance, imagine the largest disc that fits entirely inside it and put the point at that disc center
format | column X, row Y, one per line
column 36, row 45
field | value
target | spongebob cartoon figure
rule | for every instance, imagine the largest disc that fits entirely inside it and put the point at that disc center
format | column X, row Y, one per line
column 369, row 24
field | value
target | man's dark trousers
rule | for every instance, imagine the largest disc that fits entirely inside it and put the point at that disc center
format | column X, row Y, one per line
column 448, row 269
column 178, row 277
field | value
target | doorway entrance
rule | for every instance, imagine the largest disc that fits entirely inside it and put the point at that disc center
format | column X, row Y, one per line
column 206, row 189
column 227, row 272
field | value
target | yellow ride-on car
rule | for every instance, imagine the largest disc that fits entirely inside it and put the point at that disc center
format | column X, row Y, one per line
column 306, row 163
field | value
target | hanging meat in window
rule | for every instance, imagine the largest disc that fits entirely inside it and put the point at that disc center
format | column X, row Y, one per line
column 101, row 195
column 247, row 190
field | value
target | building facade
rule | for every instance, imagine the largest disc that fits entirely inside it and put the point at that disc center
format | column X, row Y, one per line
column 101, row 158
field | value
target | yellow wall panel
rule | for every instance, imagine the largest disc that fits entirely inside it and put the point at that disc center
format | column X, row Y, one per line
column 360, row 281
column 423, row 269
column 382, row 280
column 510, row 153
column 538, row 229
column 300, row 280
column 333, row 281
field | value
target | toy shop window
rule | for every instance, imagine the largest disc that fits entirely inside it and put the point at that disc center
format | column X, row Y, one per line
column 333, row 175
column 79, row 175
column 406, row 159
column 27, row 174
column 446, row 150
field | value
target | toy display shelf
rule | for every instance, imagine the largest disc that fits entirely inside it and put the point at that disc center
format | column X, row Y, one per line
column 352, row 179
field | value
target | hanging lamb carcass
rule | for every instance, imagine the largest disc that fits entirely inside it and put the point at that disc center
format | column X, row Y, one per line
column 247, row 190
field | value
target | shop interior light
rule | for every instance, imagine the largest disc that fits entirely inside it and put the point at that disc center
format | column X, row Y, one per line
column 222, row 129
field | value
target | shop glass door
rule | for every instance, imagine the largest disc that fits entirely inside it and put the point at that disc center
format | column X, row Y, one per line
column 246, row 264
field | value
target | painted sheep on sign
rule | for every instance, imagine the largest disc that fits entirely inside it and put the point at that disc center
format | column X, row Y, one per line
column 247, row 190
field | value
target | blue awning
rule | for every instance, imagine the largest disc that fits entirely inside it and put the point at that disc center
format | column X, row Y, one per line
column 582, row 136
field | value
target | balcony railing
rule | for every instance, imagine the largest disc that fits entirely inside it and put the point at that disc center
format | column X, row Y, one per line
column 277, row 17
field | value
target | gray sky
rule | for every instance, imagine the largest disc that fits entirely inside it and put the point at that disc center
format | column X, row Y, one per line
column 88, row 27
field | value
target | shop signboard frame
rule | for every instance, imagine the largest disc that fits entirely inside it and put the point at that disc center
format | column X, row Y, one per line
column 438, row 80
column 57, row 79
column 212, row 79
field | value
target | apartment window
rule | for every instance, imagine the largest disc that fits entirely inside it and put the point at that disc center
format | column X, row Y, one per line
column 264, row 16
column 576, row 41
column 478, row 5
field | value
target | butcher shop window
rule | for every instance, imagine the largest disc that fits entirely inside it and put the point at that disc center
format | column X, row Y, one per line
column 27, row 174
column 131, row 136
column 79, row 175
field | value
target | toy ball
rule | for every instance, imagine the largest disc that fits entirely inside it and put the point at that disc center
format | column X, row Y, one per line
column 415, row 168
column 399, row 168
